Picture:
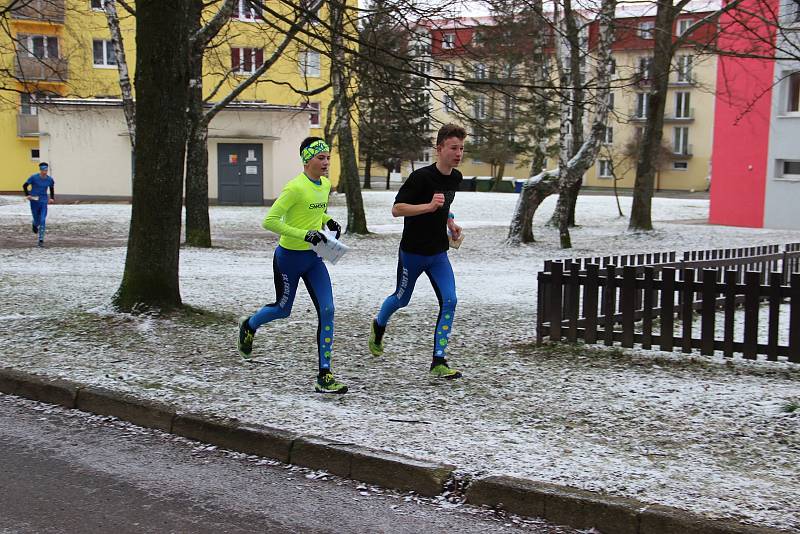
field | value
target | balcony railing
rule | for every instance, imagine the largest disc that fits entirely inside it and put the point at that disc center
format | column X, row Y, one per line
column 51, row 69
column 40, row 10
column 27, row 125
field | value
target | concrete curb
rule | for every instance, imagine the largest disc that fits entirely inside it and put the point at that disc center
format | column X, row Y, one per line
column 559, row 504
column 585, row 509
column 232, row 434
column 142, row 412
column 344, row 459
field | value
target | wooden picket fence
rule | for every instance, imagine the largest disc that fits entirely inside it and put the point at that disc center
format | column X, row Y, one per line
column 619, row 299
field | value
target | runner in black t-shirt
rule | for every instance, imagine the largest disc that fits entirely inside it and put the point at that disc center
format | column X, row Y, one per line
column 424, row 202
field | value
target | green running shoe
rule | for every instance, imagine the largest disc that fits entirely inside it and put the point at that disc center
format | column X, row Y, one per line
column 376, row 339
column 327, row 384
column 246, row 335
column 442, row 370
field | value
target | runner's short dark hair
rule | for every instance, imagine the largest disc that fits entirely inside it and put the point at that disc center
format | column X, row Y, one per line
column 307, row 141
column 450, row 130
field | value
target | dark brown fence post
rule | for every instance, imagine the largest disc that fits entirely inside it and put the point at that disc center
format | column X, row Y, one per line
column 572, row 301
column 541, row 305
column 590, row 291
column 628, row 303
column 731, row 284
column 687, row 309
column 647, row 309
column 708, row 312
column 666, row 339
column 752, row 282
column 609, row 305
column 555, row 301
column 775, row 279
column 794, row 319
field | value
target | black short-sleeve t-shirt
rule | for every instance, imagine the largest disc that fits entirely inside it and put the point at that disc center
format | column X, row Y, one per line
column 426, row 234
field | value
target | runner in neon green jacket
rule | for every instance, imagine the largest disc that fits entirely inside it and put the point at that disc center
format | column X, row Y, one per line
column 298, row 215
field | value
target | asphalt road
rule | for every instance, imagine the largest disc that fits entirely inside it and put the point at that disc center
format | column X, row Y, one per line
column 67, row 471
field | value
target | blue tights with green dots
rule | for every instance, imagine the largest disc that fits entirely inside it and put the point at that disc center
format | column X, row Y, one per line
column 440, row 272
column 289, row 266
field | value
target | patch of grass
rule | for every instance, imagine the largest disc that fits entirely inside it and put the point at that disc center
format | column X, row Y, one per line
column 791, row 406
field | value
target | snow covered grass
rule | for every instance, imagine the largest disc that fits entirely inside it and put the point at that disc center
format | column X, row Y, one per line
column 713, row 436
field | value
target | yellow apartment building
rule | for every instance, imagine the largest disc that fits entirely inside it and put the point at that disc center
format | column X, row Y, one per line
column 443, row 50
column 60, row 102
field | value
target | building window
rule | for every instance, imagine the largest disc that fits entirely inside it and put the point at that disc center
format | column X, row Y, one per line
column 682, row 110
column 608, row 135
column 245, row 10
column 98, row 4
column 449, row 103
column 423, row 68
column 604, row 168
column 685, row 69
column 645, row 69
column 103, row 53
column 796, row 15
column 313, row 114
column 680, row 140
column 791, row 169
column 645, row 29
column 642, row 101
column 480, row 107
column 246, row 60
column 35, row 154
column 480, row 71
column 793, row 103
column 28, row 104
column 478, row 38
column 610, row 101
column 680, row 165
column 309, row 64
column 449, row 71
column 682, row 26
column 448, row 41
column 39, row 46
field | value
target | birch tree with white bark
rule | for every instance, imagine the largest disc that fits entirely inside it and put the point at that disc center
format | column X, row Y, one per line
column 574, row 158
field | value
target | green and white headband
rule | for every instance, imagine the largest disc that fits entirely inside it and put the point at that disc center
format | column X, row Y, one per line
column 308, row 153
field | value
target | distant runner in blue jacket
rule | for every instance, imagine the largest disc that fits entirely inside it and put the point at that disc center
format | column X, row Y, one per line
column 35, row 189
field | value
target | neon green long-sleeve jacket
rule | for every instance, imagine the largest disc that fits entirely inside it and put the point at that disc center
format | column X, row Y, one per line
column 300, row 207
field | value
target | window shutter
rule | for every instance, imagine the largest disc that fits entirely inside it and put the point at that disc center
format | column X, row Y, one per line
column 52, row 47
column 98, row 52
column 248, row 59
column 235, row 59
column 259, row 57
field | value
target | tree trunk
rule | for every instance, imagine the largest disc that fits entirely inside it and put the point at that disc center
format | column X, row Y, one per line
column 150, row 279
column 356, row 217
column 533, row 193
column 198, row 226
column 128, row 105
column 500, row 171
column 368, row 172
column 388, row 177
column 641, row 210
column 349, row 181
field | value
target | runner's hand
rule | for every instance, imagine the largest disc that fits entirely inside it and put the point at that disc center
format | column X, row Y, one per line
column 314, row 237
column 333, row 226
column 436, row 202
